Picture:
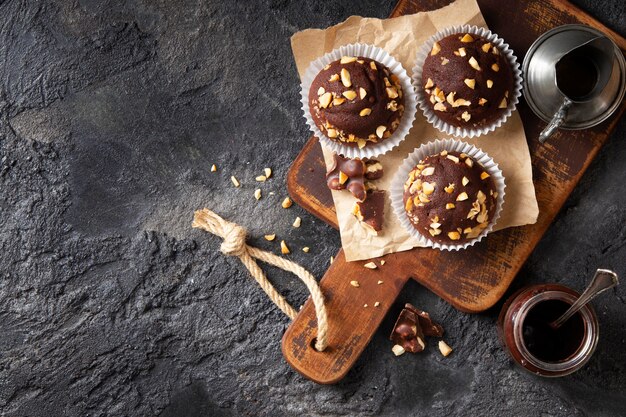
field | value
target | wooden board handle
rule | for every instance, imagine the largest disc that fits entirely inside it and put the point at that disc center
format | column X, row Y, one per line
column 351, row 325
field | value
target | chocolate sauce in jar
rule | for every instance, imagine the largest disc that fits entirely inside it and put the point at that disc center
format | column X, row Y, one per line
column 549, row 344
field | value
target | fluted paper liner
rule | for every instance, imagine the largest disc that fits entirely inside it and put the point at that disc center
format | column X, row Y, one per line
column 434, row 148
column 422, row 98
column 402, row 37
column 370, row 150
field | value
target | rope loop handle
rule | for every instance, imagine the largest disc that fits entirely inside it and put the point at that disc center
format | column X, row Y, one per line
column 234, row 244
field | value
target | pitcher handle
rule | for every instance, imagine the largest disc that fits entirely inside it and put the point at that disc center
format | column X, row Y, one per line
column 557, row 120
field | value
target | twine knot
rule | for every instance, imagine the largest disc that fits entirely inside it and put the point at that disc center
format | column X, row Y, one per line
column 234, row 243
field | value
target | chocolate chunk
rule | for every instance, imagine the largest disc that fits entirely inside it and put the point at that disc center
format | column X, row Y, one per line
column 407, row 332
column 429, row 327
column 373, row 170
column 347, row 173
column 371, row 211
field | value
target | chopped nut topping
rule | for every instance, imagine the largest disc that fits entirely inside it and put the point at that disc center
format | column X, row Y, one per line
column 444, row 348
column 461, row 52
column 465, row 181
column 349, row 94
column 397, row 349
column 449, row 189
column 321, row 91
column 428, row 188
column 436, row 49
column 261, row 178
column 345, row 78
column 338, row 101
column 235, row 181
column 503, row 104
column 428, row 171
column 332, row 133
column 467, row 38
column 283, row 248
column 466, row 116
column 435, row 225
column 213, row 168
column 482, row 101
column 440, row 107
column 370, row 265
column 450, row 97
column 365, row 112
column 434, row 232
column 257, row 193
column 409, row 204
column 454, row 235
column 297, row 222
column 495, row 51
column 423, row 199
column 373, row 66
column 444, row 61
column 489, row 83
column 470, row 82
column 306, row 249
column 270, row 237
column 334, row 77
column 469, row 162
column 287, row 203
column 450, row 206
column 377, row 303
column 486, row 47
column 347, row 59
column 392, row 92
column 429, row 83
column 355, row 284
column 361, row 143
column 484, row 175
column 474, row 63
column 453, row 158
column 380, row 130
column 462, row 197
column 362, row 93
column 495, row 67
column 325, row 100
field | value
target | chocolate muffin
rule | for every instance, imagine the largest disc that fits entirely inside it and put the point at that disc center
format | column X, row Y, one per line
column 449, row 198
column 467, row 80
column 356, row 101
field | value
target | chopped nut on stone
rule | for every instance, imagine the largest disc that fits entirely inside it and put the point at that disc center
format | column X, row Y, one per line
column 297, row 222
column 287, row 203
column 306, row 249
column 397, row 350
column 283, row 247
column 235, row 181
column 213, row 168
column 270, row 237
column 444, row 348
column 261, row 178
column 370, row 265
column 268, row 172
column 257, row 193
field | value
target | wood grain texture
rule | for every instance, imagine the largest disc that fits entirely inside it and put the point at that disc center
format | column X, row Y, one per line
column 472, row 280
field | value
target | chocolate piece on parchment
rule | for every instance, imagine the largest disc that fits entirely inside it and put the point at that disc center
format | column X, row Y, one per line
column 429, row 327
column 407, row 332
column 351, row 174
column 371, row 211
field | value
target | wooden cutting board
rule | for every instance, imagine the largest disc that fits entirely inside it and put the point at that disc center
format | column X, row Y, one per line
column 471, row 280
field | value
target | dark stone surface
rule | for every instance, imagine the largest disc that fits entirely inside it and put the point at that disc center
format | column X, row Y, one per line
column 111, row 114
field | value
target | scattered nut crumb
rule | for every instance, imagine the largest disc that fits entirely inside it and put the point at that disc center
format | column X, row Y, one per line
column 370, row 265
column 213, row 168
column 257, row 193
column 283, row 247
column 397, row 350
column 297, row 222
column 377, row 303
column 380, row 282
column 332, row 259
column 268, row 172
column 365, row 305
column 287, row 203
column 306, row 249
column 382, row 263
column 235, row 181
column 270, row 237
column 444, row 348
column 355, row 284
column 261, row 178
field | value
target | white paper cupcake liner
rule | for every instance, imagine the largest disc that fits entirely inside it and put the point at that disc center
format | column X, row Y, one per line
column 396, row 191
column 371, row 150
column 422, row 99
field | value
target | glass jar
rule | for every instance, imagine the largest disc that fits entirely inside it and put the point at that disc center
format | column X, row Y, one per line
column 515, row 331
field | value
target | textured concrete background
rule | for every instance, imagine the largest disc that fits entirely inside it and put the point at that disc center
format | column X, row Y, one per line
column 111, row 114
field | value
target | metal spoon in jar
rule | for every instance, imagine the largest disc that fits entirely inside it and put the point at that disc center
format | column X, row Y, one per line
column 602, row 281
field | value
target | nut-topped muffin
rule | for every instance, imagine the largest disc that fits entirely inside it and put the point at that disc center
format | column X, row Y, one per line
column 449, row 197
column 356, row 101
column 467, row 80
